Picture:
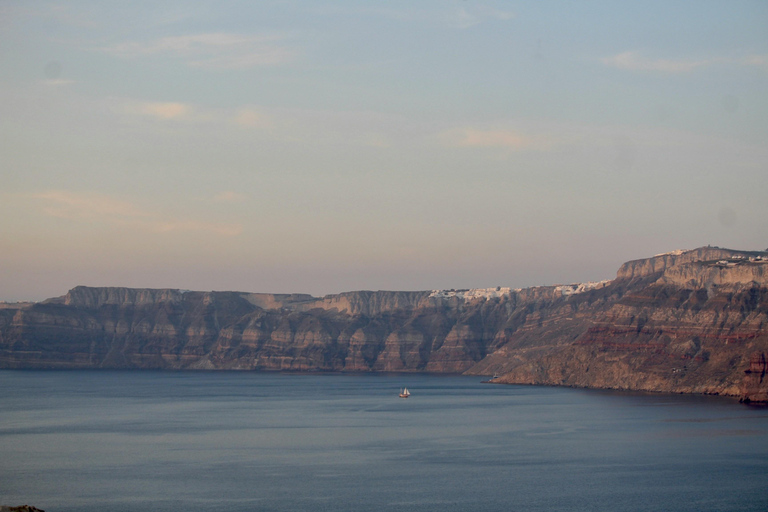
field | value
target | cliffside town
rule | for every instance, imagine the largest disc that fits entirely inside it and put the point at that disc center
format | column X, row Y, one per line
column 683, row 322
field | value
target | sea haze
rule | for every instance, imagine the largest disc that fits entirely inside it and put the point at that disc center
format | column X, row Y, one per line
column 92, row 441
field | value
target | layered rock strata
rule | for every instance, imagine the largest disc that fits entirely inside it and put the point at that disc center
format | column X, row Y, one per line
column 754, row 387
column 688, row 321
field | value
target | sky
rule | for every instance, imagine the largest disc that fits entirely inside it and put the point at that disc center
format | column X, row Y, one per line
column 321, row 147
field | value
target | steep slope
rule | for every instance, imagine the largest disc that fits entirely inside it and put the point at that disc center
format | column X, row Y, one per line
column 687, row 327
column 687, row 321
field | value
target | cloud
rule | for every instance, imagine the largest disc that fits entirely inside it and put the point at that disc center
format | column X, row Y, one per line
column 101, row 208
column 321, row 127
column 261, row 57
column 261, row 123
column 228, row 196
column 162, row 110
column 61, row 13
column 86, row 206
column 632, row 61
column 760, row 61
column 57, row 82
column 246, row 116
column 465, row 17
column 181, row 44
column 249, row 117
column 212, row 50
column 508, row 139
column 211, row 227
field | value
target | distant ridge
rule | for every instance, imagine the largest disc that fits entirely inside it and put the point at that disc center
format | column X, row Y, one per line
column 686, row 321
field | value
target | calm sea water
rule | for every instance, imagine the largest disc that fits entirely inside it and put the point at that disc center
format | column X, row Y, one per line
column 131, row 441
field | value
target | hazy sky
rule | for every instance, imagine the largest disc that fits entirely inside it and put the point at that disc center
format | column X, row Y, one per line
column 320, row 147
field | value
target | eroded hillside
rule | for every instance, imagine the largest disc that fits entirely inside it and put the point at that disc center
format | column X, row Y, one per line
column 687, row 321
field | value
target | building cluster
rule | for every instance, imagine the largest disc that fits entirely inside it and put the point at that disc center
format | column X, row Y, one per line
column 739, row 259
column 473, row 293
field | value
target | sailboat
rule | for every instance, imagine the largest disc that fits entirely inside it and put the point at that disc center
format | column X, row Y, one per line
column 404, row 393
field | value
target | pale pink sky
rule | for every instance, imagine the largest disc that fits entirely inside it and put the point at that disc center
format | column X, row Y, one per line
column 321, row 147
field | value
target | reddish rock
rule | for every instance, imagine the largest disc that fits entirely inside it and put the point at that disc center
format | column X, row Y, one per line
column 680, row 322
column 754, row 387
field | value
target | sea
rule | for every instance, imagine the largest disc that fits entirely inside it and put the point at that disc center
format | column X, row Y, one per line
column 88, row 441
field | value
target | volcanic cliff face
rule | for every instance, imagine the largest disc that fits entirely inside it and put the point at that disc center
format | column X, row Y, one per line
column 686, row 327
column 688, row 321
column 754, row 387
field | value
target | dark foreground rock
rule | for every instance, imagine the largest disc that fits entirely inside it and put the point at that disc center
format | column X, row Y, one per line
column 683, row 322
column 754, row 387
column 22, row 508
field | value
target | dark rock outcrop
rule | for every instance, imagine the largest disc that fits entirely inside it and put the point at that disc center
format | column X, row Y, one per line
column 687, row 321
column 754, row 387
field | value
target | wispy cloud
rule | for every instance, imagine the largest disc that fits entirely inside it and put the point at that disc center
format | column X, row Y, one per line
column 760, row 61
column 463, row 16
column 507, row 139
column 245, row 117
column 228, row 196
column 459, row 15
column 165, row 111
column 218, row 50
column 57, row 82
column 633, row 61
column 161, row 110
column 189, row 225
column 85, row 206
column 250, row 117
column 286, row 125
column 92, row 207
column 61, row 12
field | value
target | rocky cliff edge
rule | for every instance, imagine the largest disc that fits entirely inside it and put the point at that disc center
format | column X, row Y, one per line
column 687, row 321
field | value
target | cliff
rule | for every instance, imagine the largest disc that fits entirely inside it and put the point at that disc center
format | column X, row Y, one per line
column 754, row 387
column 684, row 326
column 661, row 262
column 688, row 321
